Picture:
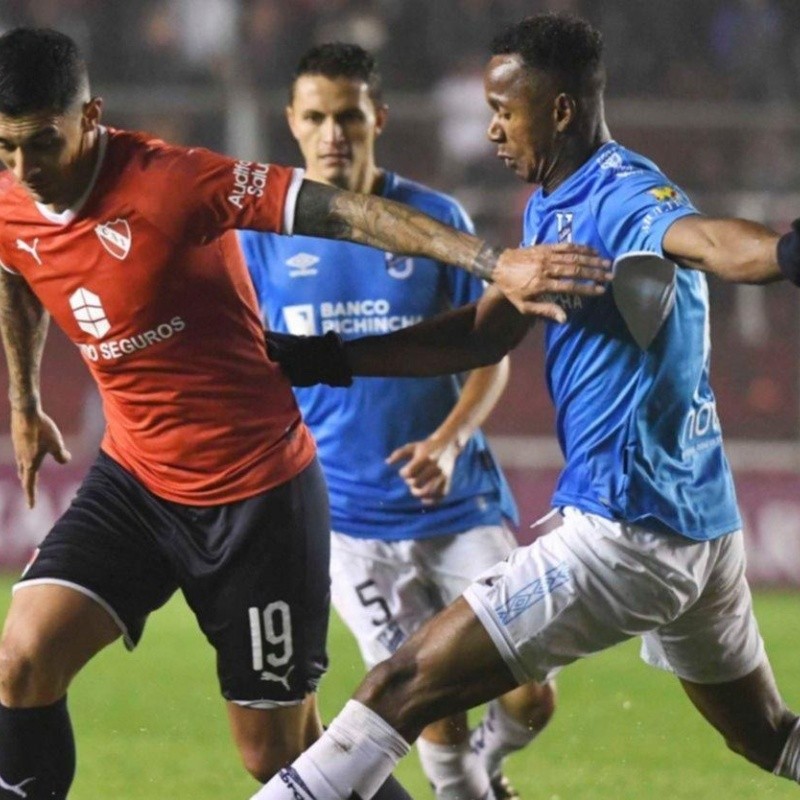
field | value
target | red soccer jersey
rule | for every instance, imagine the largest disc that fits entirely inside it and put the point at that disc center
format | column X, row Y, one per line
column 146, row 277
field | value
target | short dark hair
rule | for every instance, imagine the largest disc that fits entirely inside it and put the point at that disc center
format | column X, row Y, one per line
column 341, row 60
column 563, row 45
column 40, row 69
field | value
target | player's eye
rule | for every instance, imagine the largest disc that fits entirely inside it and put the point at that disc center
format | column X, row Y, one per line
column 351, row 116
column 46, row 143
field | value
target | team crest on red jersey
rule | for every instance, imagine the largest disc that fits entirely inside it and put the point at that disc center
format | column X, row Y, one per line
column 115, row 236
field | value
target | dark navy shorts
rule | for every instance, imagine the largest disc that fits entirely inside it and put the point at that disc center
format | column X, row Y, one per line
column 255, row 572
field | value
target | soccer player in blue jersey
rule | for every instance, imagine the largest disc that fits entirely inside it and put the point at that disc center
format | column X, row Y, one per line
column 644, row 538
column 419, row 506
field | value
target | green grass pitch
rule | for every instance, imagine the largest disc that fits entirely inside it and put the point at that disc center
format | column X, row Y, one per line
column 151, row 724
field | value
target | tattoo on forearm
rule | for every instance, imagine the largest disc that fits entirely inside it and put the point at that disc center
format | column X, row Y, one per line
column 485, row 262
column 387, row 225
column 23, row 323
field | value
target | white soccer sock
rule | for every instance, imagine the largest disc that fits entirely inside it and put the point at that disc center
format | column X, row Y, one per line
column 497, row 736
column 455, row 772
column 788, row 765
column 356, row 754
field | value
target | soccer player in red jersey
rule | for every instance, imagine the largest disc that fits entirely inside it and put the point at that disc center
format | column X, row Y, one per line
column 207, row 479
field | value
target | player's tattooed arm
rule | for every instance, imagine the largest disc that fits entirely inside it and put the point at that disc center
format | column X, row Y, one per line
column 23, row 324
column 527, row 276
column 367, row 219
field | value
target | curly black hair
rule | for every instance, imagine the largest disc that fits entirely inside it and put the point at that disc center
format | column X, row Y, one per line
column 40, row 69
column 559, row 44
column 342, row 60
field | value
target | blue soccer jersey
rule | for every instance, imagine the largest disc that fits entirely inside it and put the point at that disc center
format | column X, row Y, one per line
column 628, row 371
column 307, row 285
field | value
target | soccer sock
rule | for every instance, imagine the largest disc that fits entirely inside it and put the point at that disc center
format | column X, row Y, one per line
column 37, row 752
column 455, row 772
column 788, row 765
column 354, row 756
column 497, row 736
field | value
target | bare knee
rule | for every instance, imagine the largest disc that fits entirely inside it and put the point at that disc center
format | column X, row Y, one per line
column 263, row 756
column 263, row 762
column 396, row 690
column 269, row 739
column 26, row 679
column 533, row 704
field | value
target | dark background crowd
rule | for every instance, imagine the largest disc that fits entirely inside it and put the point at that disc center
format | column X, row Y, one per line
column 710, row 89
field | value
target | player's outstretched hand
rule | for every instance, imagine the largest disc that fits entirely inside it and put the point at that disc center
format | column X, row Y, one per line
column 428, row 472
column 34, row 435
column 309, row 360
column 529, row 276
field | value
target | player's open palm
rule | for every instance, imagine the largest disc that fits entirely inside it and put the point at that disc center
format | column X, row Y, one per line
column 530, row 276
column 428, row 471
column 34, row 435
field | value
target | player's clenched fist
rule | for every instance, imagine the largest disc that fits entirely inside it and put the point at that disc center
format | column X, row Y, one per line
column 528, row 276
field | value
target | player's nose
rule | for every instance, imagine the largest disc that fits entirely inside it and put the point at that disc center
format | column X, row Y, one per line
column 494, row 133
column 24, row 166
column 332, row 131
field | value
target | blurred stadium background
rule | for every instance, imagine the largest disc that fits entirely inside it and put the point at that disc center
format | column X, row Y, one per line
column 710, row 89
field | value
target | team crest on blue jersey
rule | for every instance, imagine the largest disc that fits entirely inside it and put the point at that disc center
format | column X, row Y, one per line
column 564, row 225
column 400, row 267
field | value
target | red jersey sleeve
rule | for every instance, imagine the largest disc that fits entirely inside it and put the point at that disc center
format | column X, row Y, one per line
column 199, row 194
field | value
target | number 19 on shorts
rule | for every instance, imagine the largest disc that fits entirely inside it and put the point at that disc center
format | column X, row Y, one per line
column 271, row 636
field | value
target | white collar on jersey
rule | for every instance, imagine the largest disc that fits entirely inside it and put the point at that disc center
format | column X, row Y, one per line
column 68, row 214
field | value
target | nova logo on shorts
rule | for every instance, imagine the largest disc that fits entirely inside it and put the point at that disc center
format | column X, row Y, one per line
column 115, row 236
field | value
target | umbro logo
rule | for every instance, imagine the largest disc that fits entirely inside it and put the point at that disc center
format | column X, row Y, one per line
column 30, row 248
column 302, row 265
column 115, row 236
column 16, row 788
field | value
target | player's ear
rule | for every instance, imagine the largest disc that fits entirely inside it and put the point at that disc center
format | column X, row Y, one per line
column 381, row 116
column 565, row 111
column 91, row 113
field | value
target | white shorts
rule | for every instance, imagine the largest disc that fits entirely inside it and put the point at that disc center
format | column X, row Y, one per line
column 384, row 591
column 590, row 583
